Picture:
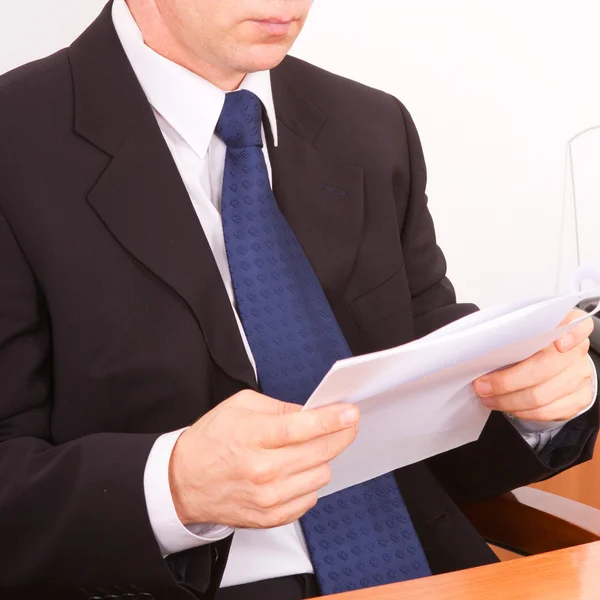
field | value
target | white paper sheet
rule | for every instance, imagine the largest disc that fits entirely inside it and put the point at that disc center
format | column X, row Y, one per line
column 417, row 400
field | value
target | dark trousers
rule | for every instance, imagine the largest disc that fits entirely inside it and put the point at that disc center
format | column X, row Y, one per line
column 294, row 587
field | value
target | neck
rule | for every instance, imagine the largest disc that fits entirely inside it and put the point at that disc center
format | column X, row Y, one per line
column 158, row 36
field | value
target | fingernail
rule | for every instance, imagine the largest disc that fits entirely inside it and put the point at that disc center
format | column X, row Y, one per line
column 488, row 402
column 350, row 416
column 567, row 341
column 483, row 388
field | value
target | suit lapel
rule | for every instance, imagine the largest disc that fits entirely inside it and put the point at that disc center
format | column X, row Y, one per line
column 321, row 196
column 141, row 197
column 143, row 202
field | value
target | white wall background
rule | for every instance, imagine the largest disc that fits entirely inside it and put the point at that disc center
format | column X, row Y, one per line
column 497, row 88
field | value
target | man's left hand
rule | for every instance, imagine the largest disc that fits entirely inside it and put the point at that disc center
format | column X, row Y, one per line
column 552, row 385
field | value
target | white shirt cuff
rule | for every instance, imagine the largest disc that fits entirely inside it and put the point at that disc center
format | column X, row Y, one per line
column 170, row 533
column 539, row 433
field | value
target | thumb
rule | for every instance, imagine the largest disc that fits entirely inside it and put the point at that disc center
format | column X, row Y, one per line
column 573, row 315
column 577, row 335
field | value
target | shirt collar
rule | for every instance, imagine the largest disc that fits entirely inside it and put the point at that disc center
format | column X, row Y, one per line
column 190, row 104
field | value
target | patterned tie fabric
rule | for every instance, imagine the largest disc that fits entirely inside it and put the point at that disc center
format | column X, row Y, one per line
column 362, row 536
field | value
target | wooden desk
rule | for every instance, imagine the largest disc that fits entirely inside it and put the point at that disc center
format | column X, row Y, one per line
column 571, row 574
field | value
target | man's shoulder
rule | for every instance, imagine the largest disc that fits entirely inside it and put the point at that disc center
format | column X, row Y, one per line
column 328, row 90
column 360, row 120
column 35, row 70
column 33, row 84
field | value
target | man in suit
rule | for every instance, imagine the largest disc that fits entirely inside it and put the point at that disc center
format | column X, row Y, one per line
column 165, row 246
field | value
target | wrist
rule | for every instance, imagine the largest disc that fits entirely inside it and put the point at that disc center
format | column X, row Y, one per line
column 177, row 483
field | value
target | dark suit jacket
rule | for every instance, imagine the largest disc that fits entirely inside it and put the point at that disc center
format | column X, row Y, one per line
column 115, row 325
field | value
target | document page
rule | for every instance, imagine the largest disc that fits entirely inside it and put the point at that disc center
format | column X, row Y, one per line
column 417, row 400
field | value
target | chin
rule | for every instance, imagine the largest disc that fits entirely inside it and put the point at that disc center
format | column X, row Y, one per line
column 265, row 59
column 256, row 51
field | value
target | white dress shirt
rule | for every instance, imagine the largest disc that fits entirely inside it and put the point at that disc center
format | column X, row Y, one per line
column 187, row 109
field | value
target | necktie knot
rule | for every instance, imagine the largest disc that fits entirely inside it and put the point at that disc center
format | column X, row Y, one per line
column 239, row 125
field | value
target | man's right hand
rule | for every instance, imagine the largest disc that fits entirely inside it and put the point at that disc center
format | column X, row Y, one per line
column 256, row 462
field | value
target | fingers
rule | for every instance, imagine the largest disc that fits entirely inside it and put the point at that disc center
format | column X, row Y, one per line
column 290, row 488
column 289, row 498
column 577, row 335
column 311, row 454
column 298, row 427
column 281, row 424
column 305, row 483
column 258, row 518
column 563, row 409
column 540, row 395
column 534, row 371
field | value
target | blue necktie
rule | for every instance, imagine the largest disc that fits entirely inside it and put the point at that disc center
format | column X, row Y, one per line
column 362, row 536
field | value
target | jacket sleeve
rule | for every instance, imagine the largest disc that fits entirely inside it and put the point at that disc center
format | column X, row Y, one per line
column 501, row 460
column 73, row 518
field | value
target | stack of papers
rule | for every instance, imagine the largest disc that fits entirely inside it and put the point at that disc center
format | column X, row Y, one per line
column 417, row 400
